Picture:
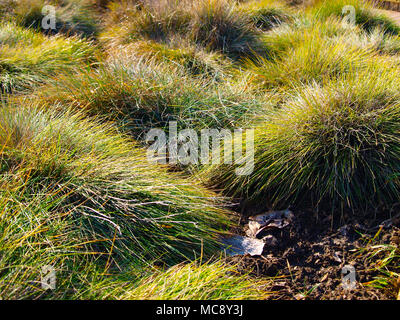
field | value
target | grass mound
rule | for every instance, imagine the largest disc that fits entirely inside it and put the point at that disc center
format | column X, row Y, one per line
column 307, row 57
column 28, row 58
column 72, row 17
column 365, row 15
column 335, row 146
column 144, row 95
column 178, row 52
column 77, row 196
column 279, row 41
column 266, row 14
column 376, row 40
column 216, row 25
column 285, row 37
column 194, row 281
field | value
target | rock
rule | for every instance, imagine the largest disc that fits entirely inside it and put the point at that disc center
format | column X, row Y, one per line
column 260, row 224
column 239, row 245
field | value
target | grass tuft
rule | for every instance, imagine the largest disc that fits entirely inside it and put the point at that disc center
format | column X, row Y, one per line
column 365, row 15
column 334, row 146
column 28, row 58
column 144, row 95
column 267, row 14
column 215, row 24
column 80, row 197
column 302, row 58
column 218, row 26
column 194, row 281
column 73, row 17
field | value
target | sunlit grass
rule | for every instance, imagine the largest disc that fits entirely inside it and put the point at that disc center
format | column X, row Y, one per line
column 365, row 15
column 179, row 52
column 214, row 24
column 28, row 58
column 72, row 17
column 310, row 52
column 333, row 146
column 77, row 192
column 384, row 258
column 194, row 281
column 267, row 14
column 77, row 195
column 143, row 95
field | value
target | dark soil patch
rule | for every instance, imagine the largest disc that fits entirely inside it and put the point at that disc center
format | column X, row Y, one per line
column 307, row 259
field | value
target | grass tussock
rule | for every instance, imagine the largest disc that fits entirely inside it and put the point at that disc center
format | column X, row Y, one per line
column 217, row 25
column 267, row 14
column 80, row 197
column 365, row 15
column 178, row 53
column 334, row 146
column 285, row 37
column 28, row 58
column 194, row 281
column 309, row 51
column 314, row 59
column 142, row 96
column 72, row 17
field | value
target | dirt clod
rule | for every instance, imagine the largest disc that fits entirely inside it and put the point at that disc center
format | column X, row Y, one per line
column 307, row 256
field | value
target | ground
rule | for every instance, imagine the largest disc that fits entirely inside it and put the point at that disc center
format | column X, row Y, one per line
column 311, row 252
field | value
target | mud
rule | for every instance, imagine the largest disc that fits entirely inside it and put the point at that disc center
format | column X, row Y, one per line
column 305, row 259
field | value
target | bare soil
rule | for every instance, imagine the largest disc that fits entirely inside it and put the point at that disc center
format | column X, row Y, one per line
column 307, row 259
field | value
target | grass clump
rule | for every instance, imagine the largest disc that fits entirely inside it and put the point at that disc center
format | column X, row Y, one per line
column 73, row 17
column 144, row 95
column 266, row 14
column 195, row 281
column 365, row 15
column 28, row 58
column 218, row 26
column 279, row 41
column 156, row 21
column 315, row 57
column 215, row 24
column 375, row 40
column 195, row 60
column 285, row 37
column 78, row 196
column 334, row 146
